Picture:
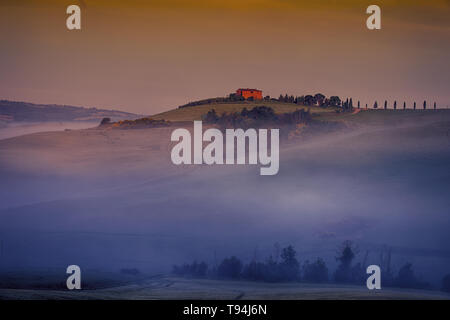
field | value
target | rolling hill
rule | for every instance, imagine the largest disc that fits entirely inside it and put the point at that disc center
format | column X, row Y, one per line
column 13, row 111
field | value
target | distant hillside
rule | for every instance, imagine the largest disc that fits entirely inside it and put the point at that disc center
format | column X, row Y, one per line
column 29, row 112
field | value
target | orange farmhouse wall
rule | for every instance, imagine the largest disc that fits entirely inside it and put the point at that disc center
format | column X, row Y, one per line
column 248, row 93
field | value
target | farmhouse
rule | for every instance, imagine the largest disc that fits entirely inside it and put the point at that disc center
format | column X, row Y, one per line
column 250, row 93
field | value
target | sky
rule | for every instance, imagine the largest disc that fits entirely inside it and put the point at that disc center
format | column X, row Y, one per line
column 151, row 56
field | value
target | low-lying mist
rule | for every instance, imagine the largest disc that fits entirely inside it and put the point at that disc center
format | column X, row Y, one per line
column 109, row 200
column 9, row 130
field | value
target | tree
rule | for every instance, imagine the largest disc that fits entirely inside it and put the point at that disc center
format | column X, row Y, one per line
column 194, row 270
column 375, row 105
column 446, row 283
column 272, row 271
column 385, row 104
column 359, row 105
column 404, row 105
column 424, row 104
column 309, row 100
column 291, row 99
column 315, row 272
column 289, row 265
column 335, row 101
column 345, row 257
column 254, row 271
column 212, row 117
column 300, row 100
column 407, row 279
column 414, row 105
column 201, row 269
column 105, row 121
column 230, row 268
column 434, row 106
column 319, row 98
column 385, row 265
column 395, row 104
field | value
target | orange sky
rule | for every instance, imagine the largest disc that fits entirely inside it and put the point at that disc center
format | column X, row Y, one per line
column 150, row 56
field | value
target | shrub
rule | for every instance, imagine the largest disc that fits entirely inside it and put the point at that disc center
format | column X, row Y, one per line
column 105, row 121
column 446, row 283
column 230, row 268
column 406, row 278
column 131, row 271
column 315, row 272
column 345, row 257
column 195, row 269
column 289, row 266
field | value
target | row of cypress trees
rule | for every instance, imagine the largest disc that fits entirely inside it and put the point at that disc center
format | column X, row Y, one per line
column 414, row 107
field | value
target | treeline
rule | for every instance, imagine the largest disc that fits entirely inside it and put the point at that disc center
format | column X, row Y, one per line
column 304, row 100
column 140, row 123
column 285, row 266
column 321, row 100
column 317, row 99
column 256, row 117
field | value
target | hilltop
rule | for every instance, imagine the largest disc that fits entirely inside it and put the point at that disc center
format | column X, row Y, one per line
column 196, row 112
column 322, row 109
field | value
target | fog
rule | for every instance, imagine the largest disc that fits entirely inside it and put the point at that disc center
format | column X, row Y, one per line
column 9, row 130
column 108, row 200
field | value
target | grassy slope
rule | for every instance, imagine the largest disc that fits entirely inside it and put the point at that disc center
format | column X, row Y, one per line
column 368, row 117
column 196, row 112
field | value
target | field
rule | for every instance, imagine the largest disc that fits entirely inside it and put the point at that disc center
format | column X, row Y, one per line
column 168, row 288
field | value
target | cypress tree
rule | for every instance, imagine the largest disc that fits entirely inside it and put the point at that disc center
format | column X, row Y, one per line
column 404, row 105
column 414, row 105
column 375, row 105
column 424, row 105
column 395, row 104
column 434, row 106
column 385, row 104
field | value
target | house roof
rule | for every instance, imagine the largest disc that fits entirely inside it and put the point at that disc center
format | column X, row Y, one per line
column 248, row 89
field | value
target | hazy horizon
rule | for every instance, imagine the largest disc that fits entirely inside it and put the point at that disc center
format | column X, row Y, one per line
column 149, row 57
